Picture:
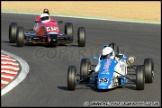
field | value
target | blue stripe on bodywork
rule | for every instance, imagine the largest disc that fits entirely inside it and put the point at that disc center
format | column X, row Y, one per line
column 106, row 72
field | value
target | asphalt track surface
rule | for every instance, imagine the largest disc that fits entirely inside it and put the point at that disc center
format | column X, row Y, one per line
column 46, row 82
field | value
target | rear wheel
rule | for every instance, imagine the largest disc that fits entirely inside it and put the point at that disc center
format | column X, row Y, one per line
column 12, row 32
column 148, row 69
column 20, row 37
column 81, row 37
column 140, row 78
column 85, row 66
column 69, row 30
column 71, row 78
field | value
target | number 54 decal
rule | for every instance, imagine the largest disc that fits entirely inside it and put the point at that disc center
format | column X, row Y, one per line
column 51, row 28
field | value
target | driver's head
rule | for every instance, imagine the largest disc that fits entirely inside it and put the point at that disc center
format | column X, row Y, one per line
column 107, row 52
column 45, row 17
column 46, row 11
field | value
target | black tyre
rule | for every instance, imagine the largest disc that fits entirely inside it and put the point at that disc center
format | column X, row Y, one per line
column 81, row 37
column 20, row 37
column 71, row 78
column 148, row 69
column 12, row 32
column 140, row 78
column 85, row 66
column 69, row 30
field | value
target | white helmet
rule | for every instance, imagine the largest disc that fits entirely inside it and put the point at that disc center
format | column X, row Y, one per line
column 44, row 17
column 107, row 50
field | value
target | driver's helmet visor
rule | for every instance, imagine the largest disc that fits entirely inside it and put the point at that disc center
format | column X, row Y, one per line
column 44, row 18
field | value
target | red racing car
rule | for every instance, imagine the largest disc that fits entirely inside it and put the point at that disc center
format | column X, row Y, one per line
column 47, row 32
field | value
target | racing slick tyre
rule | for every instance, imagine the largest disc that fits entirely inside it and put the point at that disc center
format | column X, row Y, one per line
column 85, row 66
column 140, row 78
column 148, row 69
column 69, row 30
column 12, row 32
column 81, row 37
column 20, row 37
column 71, row 78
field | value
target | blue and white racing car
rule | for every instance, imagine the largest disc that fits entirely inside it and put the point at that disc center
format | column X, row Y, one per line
column 109, row 77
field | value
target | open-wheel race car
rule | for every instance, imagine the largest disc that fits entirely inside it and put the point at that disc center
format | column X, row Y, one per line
column 46, row 34
column 113, row 77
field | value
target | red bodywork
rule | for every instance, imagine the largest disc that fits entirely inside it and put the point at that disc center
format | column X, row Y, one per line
column 43, row 29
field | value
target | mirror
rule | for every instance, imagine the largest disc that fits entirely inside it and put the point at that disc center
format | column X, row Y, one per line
column 60, row 22
column 95, row 58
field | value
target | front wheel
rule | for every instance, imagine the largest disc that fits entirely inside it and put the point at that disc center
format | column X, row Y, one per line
column 69, row 30
column 20, row 37
column 71, row 78
column 81, row 37
column 140, row 78
column 84, row 70
column 148, row 69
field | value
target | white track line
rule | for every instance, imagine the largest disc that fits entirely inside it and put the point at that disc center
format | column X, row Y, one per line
column 22, row 73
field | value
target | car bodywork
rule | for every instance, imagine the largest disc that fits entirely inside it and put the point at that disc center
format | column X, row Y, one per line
column 46, row 33
column 113, row 73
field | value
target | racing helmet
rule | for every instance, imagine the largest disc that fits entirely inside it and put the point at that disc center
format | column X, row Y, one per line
column 45, row 17
column 107, row 50
column 46, row 11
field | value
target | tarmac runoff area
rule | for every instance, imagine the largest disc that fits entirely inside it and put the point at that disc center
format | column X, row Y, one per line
column 13, row 70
